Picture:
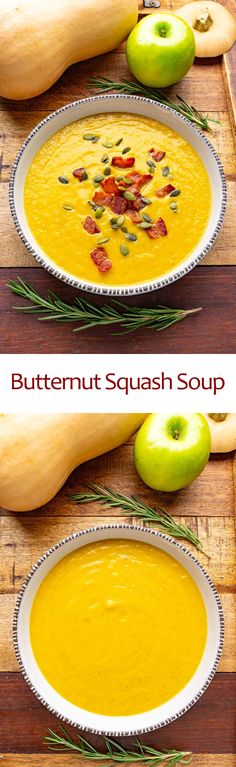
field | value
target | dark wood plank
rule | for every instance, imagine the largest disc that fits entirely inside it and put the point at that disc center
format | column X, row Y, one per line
column 210, row 331
column 74, row 84
column 229, row 77
column 67, row 760
column 24, row 720
column 210, row 495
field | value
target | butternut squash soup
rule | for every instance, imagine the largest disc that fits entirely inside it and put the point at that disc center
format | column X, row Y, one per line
column 118, row 627
column 117, row 199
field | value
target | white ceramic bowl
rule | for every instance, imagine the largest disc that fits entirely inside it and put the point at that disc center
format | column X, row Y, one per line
column 118, row 725
column 133, row 105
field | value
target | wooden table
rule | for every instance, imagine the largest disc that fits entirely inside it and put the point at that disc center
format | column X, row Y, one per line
column 208, row 505
column 211, row 87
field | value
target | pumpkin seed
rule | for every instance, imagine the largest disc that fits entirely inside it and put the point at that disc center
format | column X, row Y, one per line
column 173, row 206
column 95, row 139
column 118, row 142
column 107, row 171
column 99, row 212
column 152, row 171
column 146, row 201
column 124, row 229
column 98, row 178
column 96, row 184
column 105, row 158
column 119, row 178
column 129, row 196
column 63, row 180
column 113, row 222
column 126, row 149
column 67, row 207
column 145, row 225
column 124, row 250
column 175, row 193
column 165, row 171
column 131, row 237
column 147, row 218
column 103, row 240
column 107, row 144
column 120, row 220
column 85, row 175
column 90, row 137
column 151, row 163
column 127, row 181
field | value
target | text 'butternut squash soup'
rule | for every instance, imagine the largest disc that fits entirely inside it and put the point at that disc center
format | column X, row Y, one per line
column 118, row 627
column 117, row 199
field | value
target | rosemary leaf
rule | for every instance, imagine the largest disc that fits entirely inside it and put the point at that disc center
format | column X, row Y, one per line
column 130, row 318
column 114, row 752
column 104, row 84
column 132, row 506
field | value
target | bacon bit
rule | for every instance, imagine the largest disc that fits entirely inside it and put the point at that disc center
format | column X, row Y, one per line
column 133, row 188
column 110, row 185
column 91, row 226
column 157, row 230
column 158, row 156
column 99, row 256
column 134, row 176
column 123, row 162
column 165, row 190
column 145, row 178
column 80, row 173
column 139, row 179
column 118, row 205
column 100, row 198
column 135, row 218
column 138, row 204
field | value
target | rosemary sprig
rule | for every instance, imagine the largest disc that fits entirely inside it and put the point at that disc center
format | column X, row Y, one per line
column 115, row 752
column 132, row 506
column 104, row 84
column 89, row 315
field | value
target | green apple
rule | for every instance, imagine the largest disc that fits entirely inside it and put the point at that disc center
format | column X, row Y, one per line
column 160, row 49
column 171, row 450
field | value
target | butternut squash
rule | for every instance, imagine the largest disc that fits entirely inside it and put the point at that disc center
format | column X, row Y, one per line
column 39, row 452
column 223, row 431
column 213, row 25
column 41, row 38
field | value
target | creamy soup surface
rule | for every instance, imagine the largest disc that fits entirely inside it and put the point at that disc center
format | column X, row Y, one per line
column 118, row 627
column 57, row 202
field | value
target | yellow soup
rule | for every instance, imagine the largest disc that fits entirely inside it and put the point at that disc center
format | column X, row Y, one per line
column 118, row 627
column 172, row 204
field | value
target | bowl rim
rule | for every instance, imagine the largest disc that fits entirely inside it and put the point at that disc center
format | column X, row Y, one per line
column 109, row 290
column 148, row 531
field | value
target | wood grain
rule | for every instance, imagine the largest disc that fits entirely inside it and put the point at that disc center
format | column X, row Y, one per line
column 208, row 727
column 74, row 84
column 210, row 86
column 198, row 499
column 208, row 505
column 53, row 760
column 23, row 540
column 12, row 137
column 211, row 331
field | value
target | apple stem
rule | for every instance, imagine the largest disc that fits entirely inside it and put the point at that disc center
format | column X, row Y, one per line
column 176, row 434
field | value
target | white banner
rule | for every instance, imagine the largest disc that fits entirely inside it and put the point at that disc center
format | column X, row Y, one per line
column 117, row 383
